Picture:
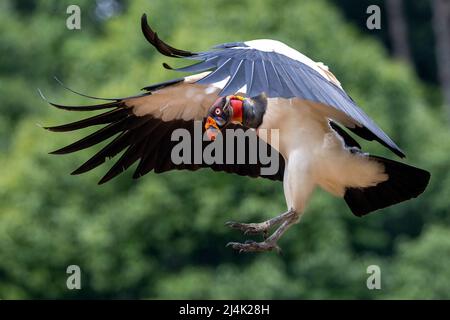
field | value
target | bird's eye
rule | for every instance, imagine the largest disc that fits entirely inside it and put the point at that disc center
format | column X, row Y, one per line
column 217, row 111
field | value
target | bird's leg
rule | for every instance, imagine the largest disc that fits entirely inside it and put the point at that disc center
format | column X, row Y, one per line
column 261, row 227
column 286, row 219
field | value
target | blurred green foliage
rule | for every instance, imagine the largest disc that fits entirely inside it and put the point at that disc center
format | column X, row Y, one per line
column 163, row 235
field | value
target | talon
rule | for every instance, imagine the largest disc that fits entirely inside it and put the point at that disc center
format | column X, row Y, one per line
column 278, row 250
column 248, row 228
column 253, row 246
column 230, row 244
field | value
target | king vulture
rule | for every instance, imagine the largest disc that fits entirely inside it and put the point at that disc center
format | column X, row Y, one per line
column 254, row 85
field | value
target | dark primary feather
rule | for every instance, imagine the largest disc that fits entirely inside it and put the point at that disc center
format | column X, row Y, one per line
column 162, row 85
column 107, row 117
column 160, row 45
column 80, row 108
column 81, row 94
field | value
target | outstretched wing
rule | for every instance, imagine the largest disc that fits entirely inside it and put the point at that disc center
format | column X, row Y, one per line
column 277, row 70
column 142, row 127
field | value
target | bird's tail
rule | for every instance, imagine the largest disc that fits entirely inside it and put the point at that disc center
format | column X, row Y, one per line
column 405, row 182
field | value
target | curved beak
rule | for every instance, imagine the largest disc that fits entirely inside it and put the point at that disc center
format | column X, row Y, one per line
column 212, row 133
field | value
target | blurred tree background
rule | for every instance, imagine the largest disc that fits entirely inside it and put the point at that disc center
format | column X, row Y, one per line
column 163, row 236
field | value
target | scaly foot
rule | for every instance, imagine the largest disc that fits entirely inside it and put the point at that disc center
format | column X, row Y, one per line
column 262, row 227
column 286, row 219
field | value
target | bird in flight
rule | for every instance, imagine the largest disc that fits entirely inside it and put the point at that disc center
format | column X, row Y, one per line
column 254, row 85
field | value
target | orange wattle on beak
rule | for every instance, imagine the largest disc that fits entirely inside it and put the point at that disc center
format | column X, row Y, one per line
column 212, row 129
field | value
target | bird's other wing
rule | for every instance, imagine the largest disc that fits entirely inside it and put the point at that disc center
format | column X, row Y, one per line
column 141, row 127
column 277, row 70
